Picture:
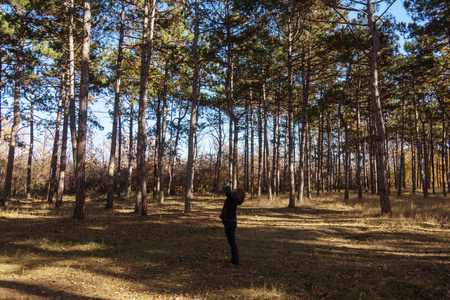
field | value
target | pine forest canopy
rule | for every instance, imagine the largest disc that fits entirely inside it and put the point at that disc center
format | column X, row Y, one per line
column 290, row 97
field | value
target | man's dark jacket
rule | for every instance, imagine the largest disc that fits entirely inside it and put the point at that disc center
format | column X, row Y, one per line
column 230, row 205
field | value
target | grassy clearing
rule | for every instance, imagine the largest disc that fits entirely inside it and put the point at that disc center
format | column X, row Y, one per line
column 326, row 248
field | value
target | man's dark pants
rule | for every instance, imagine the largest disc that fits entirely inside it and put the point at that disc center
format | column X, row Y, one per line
column 230, row 228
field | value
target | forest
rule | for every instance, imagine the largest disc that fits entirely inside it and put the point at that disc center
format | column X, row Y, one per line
column 332, row 115
column 294, row 97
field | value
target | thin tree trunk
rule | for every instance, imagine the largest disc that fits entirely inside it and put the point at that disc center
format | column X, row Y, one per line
column 194, row 113
column 62, row 161
column 30, row 151
column 219, row 154
column 112, row 156
column 16, row 118
column 130, row 151
column 80, row 184
column 53, row 165
column 260, row 149
column 444, row 156
column 291, row 142
column 402, row 151
column 73, row 129
column 358, row 145
column 433, row 173
column 266, row 145
column 252, row 146
column 162, row 141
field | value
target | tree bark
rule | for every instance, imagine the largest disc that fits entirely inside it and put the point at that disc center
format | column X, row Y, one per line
column 382, row 165
column 162, row 141
column 112, row 155
column 53, row 164
column 147, row 48
column 266, row 145
column 444, row 157
column 194, row 112
column 291, row 146
column 16, row 118
column 80, row 184
column 130, row 151
column 62, row 161
column 30, row 150
column 73, row 129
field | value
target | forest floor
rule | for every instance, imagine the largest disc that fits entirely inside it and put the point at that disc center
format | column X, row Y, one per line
column 326, row 248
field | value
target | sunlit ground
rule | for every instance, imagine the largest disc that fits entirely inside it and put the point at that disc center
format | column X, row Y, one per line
column 323, row 248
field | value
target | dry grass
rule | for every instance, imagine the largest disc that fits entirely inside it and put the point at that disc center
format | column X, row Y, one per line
column 325, row 248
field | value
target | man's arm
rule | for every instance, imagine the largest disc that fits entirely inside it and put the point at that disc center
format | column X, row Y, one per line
column 230, row 194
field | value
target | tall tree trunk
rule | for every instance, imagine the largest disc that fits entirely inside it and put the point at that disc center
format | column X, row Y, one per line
column 358, row 145
column 16, row 118
column 30, row 150
column 130, row 151
column 425, row 167
column 162, row 141
column 80, row 184
column 382, row 164
column 433, row 173
column 219, row 154
column 117, row 177
column 147, row 48
column 174, row 152
column 338, row 175
column 402, row 151
column 266, row 145
column 51, row 186
column 291, row 143
column 194, row 113
column 260, row 149
column 307, row 162
column 62, row 160
column 444, row 156
column 252, row 146
column 275, row 153
column 112, row 155
column 73, row 129
column 156, row 185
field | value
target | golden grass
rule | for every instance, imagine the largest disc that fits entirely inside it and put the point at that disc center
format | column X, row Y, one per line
column 323, row 248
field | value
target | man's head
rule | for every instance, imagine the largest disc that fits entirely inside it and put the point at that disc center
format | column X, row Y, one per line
column 240, row 194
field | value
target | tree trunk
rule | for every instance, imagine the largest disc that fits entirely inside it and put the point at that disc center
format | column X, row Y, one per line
column 16, row 118
column 112, row 156
column 80, row 184
column 433, row 173
column 147, row 48
column 291, row 143
column 444, row 157
column 130, row 151
column 260, row 149
column 219, row 154
column 53, row 165
column 252, row 146
column 266, row 145
column 30, row 151
column 73, row 129
column 162, row 141
column 194, row 112
column 62, row 160
column 358, row 145
column 382, row 165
